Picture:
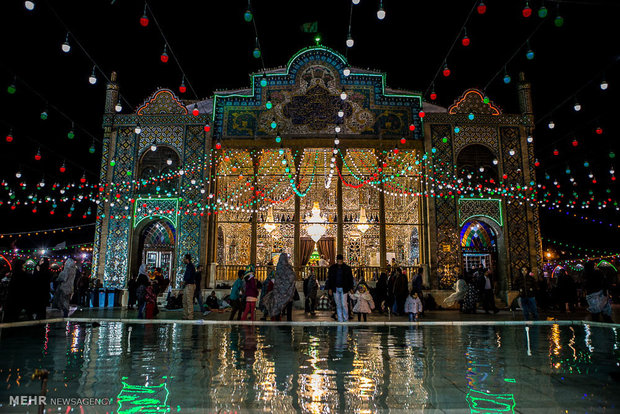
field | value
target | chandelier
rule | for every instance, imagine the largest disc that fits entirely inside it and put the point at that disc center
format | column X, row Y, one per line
column 316, row 229
column 269, row 224
column 363, row 223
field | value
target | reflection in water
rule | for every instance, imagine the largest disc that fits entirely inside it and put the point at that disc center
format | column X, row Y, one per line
column 315, row 369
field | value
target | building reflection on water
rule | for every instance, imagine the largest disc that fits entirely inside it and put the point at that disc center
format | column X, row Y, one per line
column 305, row 369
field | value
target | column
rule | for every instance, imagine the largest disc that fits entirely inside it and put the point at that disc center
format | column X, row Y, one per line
column 339, row 213
column 255, row 161
column 296, row 218
column 211, row 226
column 382, row 234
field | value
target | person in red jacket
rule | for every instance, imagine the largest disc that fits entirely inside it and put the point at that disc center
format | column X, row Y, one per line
column 251, row 293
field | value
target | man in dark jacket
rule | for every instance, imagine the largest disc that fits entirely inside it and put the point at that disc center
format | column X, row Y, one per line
column 189, row 287
column 339, row 283
column 526, row 284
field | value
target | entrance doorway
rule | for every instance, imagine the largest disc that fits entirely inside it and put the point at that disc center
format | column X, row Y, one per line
column 157, row 241
column 478, row 246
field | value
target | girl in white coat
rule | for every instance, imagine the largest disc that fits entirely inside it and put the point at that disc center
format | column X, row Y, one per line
column 413, row 306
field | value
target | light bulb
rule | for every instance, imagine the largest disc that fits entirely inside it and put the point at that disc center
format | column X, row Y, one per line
column 530, row 139
column 577, row 107
column 337, row 129
column 346, row 71
column 29, row 5
column 340, row 113
column 343, row 95
column 356, row 2
column 137, row 129
column 92, row 79
column 153, row 147
column 511, row 152
column 604, row 85
column 18, row 174
column 350, row 42
column 118, row 107
column 481, row 169
column 336, row 141
column 66, row 47
column 169, row 161
column 381, row 13
column 495, row 162
column 551, row 124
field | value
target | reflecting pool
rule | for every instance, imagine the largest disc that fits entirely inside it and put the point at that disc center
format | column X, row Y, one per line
column 317, row 369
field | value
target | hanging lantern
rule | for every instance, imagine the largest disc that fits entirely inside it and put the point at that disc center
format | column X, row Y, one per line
column 83, row 179
column 577, row 106
column 218, row 145
column 446, row 71
column 207, row 127
column 551, row 124
column 247, row 16
column 411, row 127
column 9, row 137
column 92, row 148
column 527, row 10
column 575, row 142
column 119, row 106
column 182, row 88
column 403, row 140
column 482, row 8
column 263, row 80
column 37, row 156
column 164, row 56
column 558, row 21
column 273, row 124
column 507, row 78
column 556, row 152
column 542, row 12
column 154, row 146
column 195, row 111
column 29, row 5
column 343, row 95
column 465, row 40
column 380, row 12
column 529, row 54
column 346, row 71
column 44, row 115
column 350, row 42
column 66, row 47
column 433, row 96
column 604, row 85
column 11, row 89
column 92, row 79
column 144, row 20
column 278, row 138
column 599, row 131
column 63, row 168
column 137, row 129
column 268, row 104
column 256, row 53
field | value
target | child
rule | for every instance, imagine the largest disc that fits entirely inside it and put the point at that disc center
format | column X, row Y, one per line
column 151, row 301
column 413, row 306
column 364, row 303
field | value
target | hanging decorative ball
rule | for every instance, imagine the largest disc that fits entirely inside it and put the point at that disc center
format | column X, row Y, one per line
column 586, row 164
column 604, row 85
column 218, row 145
column 137, row 129
column 511, row 152
column 350, row 41
column 457, row 130
column 207, row 127
column 340, row 113
column 446, row 71
column 112, row 163
column 343, row 95
column 44, row 115
column 346, row 71
column 29, row 5
column 403, row 140
column 567, row 170
column 507, row 79
column 9, row 137
column 118, row 107
column 182, row 87
column 551, row 124
column 63, row 168
column 256, row 53
column 558, row 21
column 274, row 124
column 169, row 161
column 465, row 41
column 396, row 150
column 529, row 54
column 268, row 104
column 527, row 10
column 18, row 174
column 482, row 8
column 575, row 143
column 92, row 79
column 556, row 152
column 144, row 20
column 530, row 139
column 37, row 156
column 356, row 2
column 247, row 16
column 444, row 140
column 470, row 116
column 542, row 12
column 599, row 131
column 486, row 100
column 577, row 107
column 381, row 12
column 92, row 149
column 411, row 127
column 421, row 114
column 612, row 154
column 12, row 88
column 66, row 47
column 263, row 81
column 433, row 96
column 164, row 56
column 195, row 111
column 278, row 138
column 83, row 179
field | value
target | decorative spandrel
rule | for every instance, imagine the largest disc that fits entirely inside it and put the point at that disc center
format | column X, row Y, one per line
column 491, row 208
column 316, row 108
column 161, row 102
column 473, row 101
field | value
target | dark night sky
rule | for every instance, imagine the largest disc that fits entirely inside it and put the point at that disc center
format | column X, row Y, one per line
column 214, row 46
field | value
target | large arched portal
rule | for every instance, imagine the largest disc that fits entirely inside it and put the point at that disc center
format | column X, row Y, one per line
column 156, row 246
column 478, row 245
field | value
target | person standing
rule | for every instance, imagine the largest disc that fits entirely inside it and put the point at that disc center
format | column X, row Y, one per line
column 381, row 291
column 64, row 292
column 18, row 290
column 41, row 289
column 142, row 284
column 310, row 291
column 198, row 291
column 413, row 306
column 526, row 284
column 567, row 291
column 132, row 286
column 488, row 297
column 189, row 287
column 251, row 293
column 339, row 283
column 235, row 296
column 597, row 295
column 364, row 303
column 281, row 297
column 472, row 293
column 401, row 291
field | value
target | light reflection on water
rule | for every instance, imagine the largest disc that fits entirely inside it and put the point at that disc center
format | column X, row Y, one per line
column 317, row 369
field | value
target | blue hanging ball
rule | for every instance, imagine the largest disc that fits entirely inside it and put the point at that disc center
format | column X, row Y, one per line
column 507, row 79
column 247, row 16
column 263, row 82
column 256, row 53
column 530, row 54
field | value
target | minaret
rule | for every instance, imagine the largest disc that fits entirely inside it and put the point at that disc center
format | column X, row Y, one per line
column 525, row 98
column 111, row 95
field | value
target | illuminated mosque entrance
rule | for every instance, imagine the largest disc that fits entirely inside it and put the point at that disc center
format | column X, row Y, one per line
column 478, row 245
column 157, row 246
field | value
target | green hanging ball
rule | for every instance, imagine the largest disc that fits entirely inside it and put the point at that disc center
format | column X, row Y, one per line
column 128, row 172
column 542, row 12
column 444, row 139
column 71, row 134
column 91, row 149
column 268, row 105
column 112, row 163
column 274, row 124
column 486, row 100
column 612, row 154
column 11, row 89
column 247, row 16
column 256, row 53
column 278, row 139
column 263, row 82
column 44, row 115
column 530, row 54
column 559, row 21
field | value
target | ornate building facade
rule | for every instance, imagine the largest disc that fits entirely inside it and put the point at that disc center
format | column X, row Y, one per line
column 316, row 159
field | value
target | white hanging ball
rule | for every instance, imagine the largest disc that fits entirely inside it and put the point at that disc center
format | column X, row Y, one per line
column 341, row 113
column 66, row 47
column 169, row 161
column 551, row 124
column 343, row 95
column 336, row 141
column 356, row 2
column 29, row 5
column 346, row 72
column 118, row 107
column 511, row 152
column 350, row 42
column 381, row 14
column 337, row 129
column 495, row 162
column 137, row 129
column 153, row 147
column 604, row 85
column 530, row 139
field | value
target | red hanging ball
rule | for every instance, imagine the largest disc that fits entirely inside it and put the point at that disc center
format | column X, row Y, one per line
column 537, row 163
column 411, row 127
column 422, row 114
column 207, row 128
column 395, row 150
column 403, row 140
column 144, row 20
column 218, row 145
column 575, row 143
column 9, row 138
column 482, row 8
column 433, row 96
column 164, row 57
column 52, row 212
column 599, row 131
column 195, row 111
column 465, row 41
column 446, row 71
column 37, row 157
column 556, row 152
column 527, row 11
column 82, row 180
column 182, row 88
column 63, row 169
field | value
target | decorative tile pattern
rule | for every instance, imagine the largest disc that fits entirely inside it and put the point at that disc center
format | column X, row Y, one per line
column 469, row 208
column 472, row 101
